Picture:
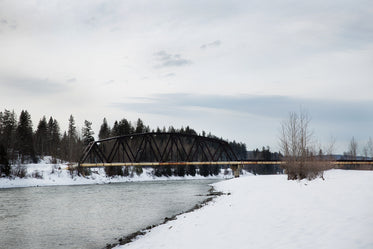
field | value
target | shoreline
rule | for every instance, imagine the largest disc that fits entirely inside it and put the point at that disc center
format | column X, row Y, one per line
column 109, row 180
column 271, row 211
column 212, row 194
column 47, row 174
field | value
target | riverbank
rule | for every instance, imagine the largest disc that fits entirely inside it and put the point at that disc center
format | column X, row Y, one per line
column 271, row 212
column 46, row 173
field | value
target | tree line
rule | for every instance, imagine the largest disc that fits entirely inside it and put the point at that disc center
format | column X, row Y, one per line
column 20, row 143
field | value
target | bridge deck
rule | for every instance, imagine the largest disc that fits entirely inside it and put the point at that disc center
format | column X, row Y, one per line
column 93, row 165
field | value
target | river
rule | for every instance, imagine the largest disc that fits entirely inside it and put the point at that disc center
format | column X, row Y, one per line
column 90, row 216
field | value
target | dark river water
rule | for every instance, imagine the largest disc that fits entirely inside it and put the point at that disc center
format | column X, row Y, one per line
column 90, row 216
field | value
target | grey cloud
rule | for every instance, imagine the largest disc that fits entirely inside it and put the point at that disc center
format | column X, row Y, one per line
column 7, row 24
column 169, row 75
column 328, row 113
column 71, row 80
column 256, row 119
column 170, row 60
column 33, row 86
column 216, row 43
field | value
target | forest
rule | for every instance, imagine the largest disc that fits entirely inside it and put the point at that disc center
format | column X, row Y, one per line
column 21, row 143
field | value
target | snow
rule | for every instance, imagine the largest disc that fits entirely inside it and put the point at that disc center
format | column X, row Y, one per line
column 272, row 212
column 58, row 174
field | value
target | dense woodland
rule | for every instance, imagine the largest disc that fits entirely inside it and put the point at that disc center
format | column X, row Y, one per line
column 21, row 143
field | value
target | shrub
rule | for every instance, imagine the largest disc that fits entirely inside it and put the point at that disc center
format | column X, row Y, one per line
column 37, row 174
column 311, row 169
column 297, row 145
column 19, row 170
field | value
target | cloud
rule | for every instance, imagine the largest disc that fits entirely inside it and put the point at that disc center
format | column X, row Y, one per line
column 7, row 24
column 268, row 106
column 214, row 44
column 32, row 86
column 170, row 60
column 169, row 75
column 340, row 118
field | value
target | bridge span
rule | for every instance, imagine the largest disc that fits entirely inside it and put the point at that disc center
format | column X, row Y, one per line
column 174, row 149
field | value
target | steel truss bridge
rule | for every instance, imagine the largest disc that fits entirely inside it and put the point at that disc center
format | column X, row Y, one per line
column 164, row 148
column 157, row 148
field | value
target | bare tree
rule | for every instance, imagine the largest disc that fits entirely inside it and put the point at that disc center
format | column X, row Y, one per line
column 329, row 150
column 352, row 150
column 296, row 137
column 370, row 147
column 298, row 147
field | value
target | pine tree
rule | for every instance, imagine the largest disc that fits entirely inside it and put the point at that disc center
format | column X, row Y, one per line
column 4, row 164
column 104, row 130
column 72, row 138
column 1, row 126
column 87, row 133
column 54, row 137
column 122, row 128
column 140, row 127
column 41, row 137
column 24, row 137
column 8, row 131
column 64, row 152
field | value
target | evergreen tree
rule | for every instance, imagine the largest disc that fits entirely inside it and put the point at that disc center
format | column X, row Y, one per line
column 122, row 128
column 24, row 137
column 72, row 139
column 140, row 127
column 64, row 152
column 54, row 137
column 4, row 164
column 104, row 130
column 8, row 131
column 41, row 137
column 87, row 133
column 115, row 130
column 171, row 129
column 1, row 125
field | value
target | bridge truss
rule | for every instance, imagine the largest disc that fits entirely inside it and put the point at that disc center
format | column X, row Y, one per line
column 154, row 148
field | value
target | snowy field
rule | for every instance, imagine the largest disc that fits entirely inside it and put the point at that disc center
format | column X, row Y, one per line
column 57, row 174
column 271, row 212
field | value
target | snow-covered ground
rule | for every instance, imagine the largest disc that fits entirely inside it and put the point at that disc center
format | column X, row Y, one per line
column 57, row 174
column 272, row 212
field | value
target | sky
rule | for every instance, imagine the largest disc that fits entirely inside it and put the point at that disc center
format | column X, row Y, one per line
column 233, row 68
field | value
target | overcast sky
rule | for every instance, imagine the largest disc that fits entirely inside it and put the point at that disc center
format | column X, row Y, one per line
column 233, row 68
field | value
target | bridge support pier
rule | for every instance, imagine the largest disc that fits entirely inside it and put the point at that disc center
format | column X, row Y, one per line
column 236, row 170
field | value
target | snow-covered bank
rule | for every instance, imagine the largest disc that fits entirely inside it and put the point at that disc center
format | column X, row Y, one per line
column 271, row 212
column 48, row 174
